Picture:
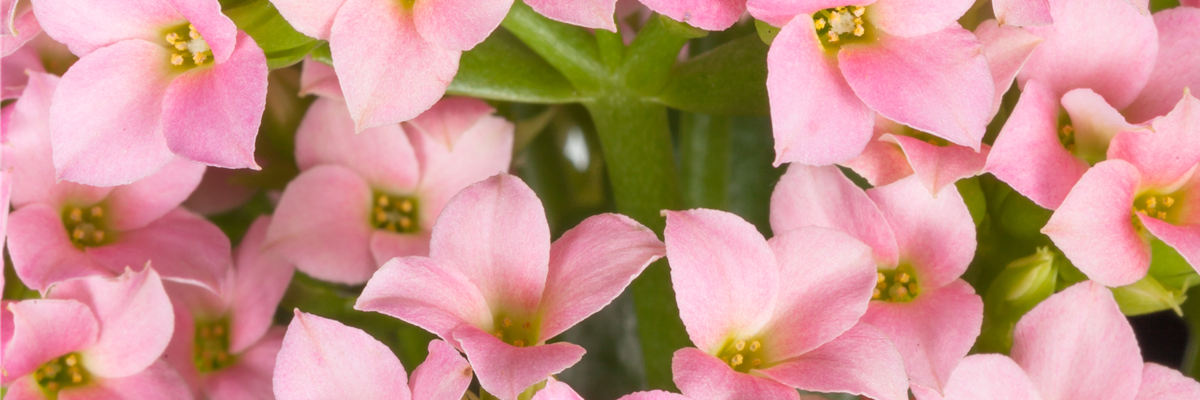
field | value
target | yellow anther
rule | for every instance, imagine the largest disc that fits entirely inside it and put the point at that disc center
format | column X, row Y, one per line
column 736, row 360
column 405, row 223
column 527, row 325
column 754, row 346
column 833, row 37
column 97, row 212
column 383, row 201
column 406, row 206
column 741, row 344
column 71, row 361
column 902, row 277
column 1169, row 201
column 897, row 292
column 391, row 226
column 77, row 215
column 876, row 294
column 198, row 57
column 1151, row 202
column 380, row 215
column 1162, row 215
column 879, row 277
column 205, row 332
column 218, row 330
column 1067, row 130
column 76, row 377
column 181, row 45
column 835, row 17
column 519, row 343
column 172, row 37
column 820, row 23
column 913, row 289
column 859, row 31
column 78, row 234
column 192, row 32
column 177, row 59
column 507, row 322
column 841, row 9
column 755, row 363
column 858, row 21
column 98, row 236
column 859, row 10
column 499, row 335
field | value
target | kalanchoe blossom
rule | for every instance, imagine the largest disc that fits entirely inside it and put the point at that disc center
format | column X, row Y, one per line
column 556, row 390
column 497, row 289
column 1146, row 189
column 65, row 230
column 96, row 338
column 1177, row 66
column 921, row 245
column 1022, row 12
column 323, row 359
column 191, row 85
column 1075, row 345
column 768, row 317
column 19, row 25
column 365, row 198
column 1007, row 48
column 897, row 151
column 224, row 346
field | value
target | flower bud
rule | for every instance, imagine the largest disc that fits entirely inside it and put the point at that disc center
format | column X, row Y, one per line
column 1020, row 287
column 1149, row 295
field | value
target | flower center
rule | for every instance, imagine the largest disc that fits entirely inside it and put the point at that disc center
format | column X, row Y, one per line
column 61, row 373
column 517, row 332
column 1066, row 131
column 1165, row 207
column 395, row 213
column 190, row 50
column 86, row 226
column 743, row 354
column 212, row 346
column 896, row 285
column 838, row 26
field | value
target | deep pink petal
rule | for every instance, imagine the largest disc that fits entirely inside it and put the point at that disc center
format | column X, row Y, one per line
column 383, row 156
column 211, row 115
column 386, row 245
column 935, row 235
column 702, row 376
column 505, row 370
column 1162, row 383
column 823, row 196
column 41, row 251
column 862, row 361
column 445, row 374
column 815, row 130
column 324, row 359
column 556, row 390
column 911, row 18
column 495, row 233
column 595, row 14
column 312, row 18
column 985, row 377
column 1006, row 48
column 105, row 140
column 1094, row 227
column 940, row 166
column 388, row 72
column 138, row 204
column 1177, row 66
column 715, row 256
column 1105, row 45
column 458, row 24
column 825, row 282
column 938, row 83
column 319, row 78
column 1185, row 239
column 217, row 30
column 421, row 292
column 250, row 378
column 156, row 382
column 262, row 278
column 779, row 12
column 322, row 225
column 1056, row 344
column 85, row 26
column 182, row 246
column 590, row 265
column 881, row 162
column 932, row 332
column 711, row 15
column 43, row 330
column 1028, row 155
column 1165, row 155
column 1022, row 12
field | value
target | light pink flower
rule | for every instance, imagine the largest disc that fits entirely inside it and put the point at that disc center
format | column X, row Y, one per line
column 556, row 390
column 65, row 230
column 768, row 317
column 92, row 338
column 19, row 26
column 189, row 84
column 365, row 198
column 834, row 65
column 40, row 54
column 897, row 151
column 497, row 289
column 1022, row 12
column 921, row 245
column 1075, row 345
column 1145, row 189
column 224, row 346
column 322, row 359
column 1177, row 66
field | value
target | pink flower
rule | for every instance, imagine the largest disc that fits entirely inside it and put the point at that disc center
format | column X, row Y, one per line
column 65, row 230
column 1022, row 12
column 323, row 359
column 1074, row 345
column 497, row 289
column 190, row 84
column 771, row 316
column 1145, row 189
column 921, row 244
column 1177, row 65
column 20, row 25
column 897, row 151
column 556, row 390
column 224, row 346
column 92, row 338
column 365, row 198
column 833, row 66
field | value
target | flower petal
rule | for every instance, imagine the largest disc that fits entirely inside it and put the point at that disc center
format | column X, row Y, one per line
column 1022, row 12
column 1095, row 122
column 88, row 25
column 445, row 374
column 1006, row 47
column 183, row 247
column 1185, row 239
column 702, row 376
column 1055, row 344
column 1094, row 227
column 985, row 377
column 24, row 388
column 312, row 18
column 156, row 382
column 262, row 278
column 881, row 162
column 421, row 292
column 816, row 117
column 323, row 359
column 383, row 156
column 43, row 330
column 138, row 204
column 940, row 166
column 556, row 390
column 25, row 24
column 386, row 245
column 936, row 235
column 823, row 196
column 1162, row 383
column 218, row 31
column 912, row 18
column 1165, row 155
column 41, row 251
column 710, row 15
column 1177, row 66
column 319, row 78
column 653, row 395
column 459, row 24
column 595, row 14
column 505, row 370
column 862, row 362
column 250, row 378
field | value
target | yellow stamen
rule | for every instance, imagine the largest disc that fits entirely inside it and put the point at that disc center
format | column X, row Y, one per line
column 1151, row 202
column 754, row 346
column 820, row 24
column 98, row 236
column 859, row 10
column 198, row 57
column 383, row 201
column 77, row 215
column 736, row 360
column 741, row 344
column 177, row 59
column 507, row 322
column 1169, row 201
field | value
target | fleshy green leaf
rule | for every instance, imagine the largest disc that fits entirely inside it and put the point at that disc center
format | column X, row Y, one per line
column 281, row 43
column 503, row 68
column 731, row 79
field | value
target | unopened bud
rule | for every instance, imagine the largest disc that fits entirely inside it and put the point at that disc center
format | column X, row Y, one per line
column 1019, row 288
column 1149, row 295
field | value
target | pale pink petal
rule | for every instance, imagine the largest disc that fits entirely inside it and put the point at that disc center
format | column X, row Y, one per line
column 505, row 370
column 180, row 352
column 382, row 156
column 217, row 30
column 1177, row 66
column 458, row 24
column 912, row 18
column 710, row 15
column 324, row 359
column 556, row 390
column 985, row 377
column 1184, row 238
column 590, row 265
column 261, row 279
column 249, row 378
column 14, row 64
column 1094, row 227
column 1028, row 155
column 702, row 376
column 388, row 72
column 448, row 120
column 41, row 251
column 660, row 395
column 1095, row 123
column 1162, row 383
column 444, row 375
column 940, row 166
column 323, row 226
column 779, row 12
column 823, row 129
column 825, row 282
column 1006, row 48
column 312, row 18
column 459, row 142
column 386, row 245
column 19, row 27
column 1022, row 12
column 823, row 196
column 182, row 246
column 1056, row 344
column 595, row 14
column 211, row 115
column 156, row 382
column 1171, row 150
column 24, row 388
column 105, row 140
column 421, row 292
column 495, row 233
column 1103, row 45
column 936, row 235
column 87, row 25
column 43, row 330
column 881, row 162
column 938, row 83
column 862, row 361
column 138, row 204
column 319, row 78
column 715, row 256
column 220, row 191
column 932, row 332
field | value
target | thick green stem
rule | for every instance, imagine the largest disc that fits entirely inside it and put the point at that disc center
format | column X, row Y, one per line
column 653, row 53
column 1191, row 313
column 570, row 49
column 612, row 48
column 704, row 151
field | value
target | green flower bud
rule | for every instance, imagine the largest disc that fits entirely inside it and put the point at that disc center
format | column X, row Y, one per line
column 1149, row 295
column 1020, row 287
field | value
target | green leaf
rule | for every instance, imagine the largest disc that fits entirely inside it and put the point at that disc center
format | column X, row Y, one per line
column 503, row 68
column 281, row 43
column 728, row 80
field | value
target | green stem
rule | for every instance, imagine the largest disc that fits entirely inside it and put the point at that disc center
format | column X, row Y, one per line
column 704, row 148
column 653, row 53
column 612, row 48
column 1191, row 313
column 570, row 49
